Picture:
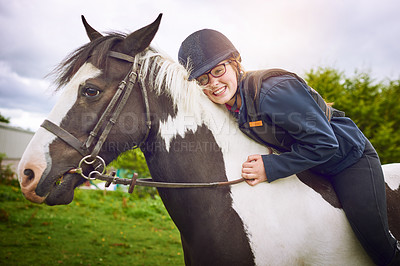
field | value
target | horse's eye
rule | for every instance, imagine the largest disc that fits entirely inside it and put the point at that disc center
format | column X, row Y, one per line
column 91, row 92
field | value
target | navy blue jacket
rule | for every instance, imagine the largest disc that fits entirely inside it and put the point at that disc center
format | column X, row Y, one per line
column 319, row 145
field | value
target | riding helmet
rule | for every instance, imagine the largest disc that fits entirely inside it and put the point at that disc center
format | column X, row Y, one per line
column 204, row 49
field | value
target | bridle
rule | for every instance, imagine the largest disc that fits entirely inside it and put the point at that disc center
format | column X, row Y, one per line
column 107, row 121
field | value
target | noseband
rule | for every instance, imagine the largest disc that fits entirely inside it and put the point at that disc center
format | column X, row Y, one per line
column 109, row 118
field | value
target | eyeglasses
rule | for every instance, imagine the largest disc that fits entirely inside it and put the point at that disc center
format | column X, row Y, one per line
column 216, row 72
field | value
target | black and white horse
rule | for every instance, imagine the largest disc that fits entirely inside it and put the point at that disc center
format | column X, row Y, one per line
column 287, row 222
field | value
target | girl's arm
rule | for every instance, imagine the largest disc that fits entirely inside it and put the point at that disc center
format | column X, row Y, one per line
column 289, row 105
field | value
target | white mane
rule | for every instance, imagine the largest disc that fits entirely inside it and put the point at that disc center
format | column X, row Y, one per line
column 193, row 107
column 168, row 76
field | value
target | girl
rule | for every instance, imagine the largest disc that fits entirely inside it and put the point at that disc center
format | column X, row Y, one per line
column 279, row 109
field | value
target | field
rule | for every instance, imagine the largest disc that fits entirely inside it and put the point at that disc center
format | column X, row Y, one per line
column 97, row 228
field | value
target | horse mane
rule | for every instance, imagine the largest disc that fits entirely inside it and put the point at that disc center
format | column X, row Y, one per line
column 166, row 75
column 171, row 78
column 75, row 60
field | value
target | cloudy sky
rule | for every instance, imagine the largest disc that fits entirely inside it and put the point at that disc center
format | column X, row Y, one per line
column 297, row 35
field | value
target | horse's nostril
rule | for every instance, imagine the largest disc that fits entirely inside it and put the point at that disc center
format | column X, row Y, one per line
column 29, row 174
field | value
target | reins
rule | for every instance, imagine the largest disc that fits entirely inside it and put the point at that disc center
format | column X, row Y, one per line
column 106, row 121
column 149, row 182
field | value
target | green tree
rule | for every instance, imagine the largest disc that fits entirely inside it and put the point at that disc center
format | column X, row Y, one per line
column 130, row 162
column 372, row 105
column 4, row 119
column 134, row 161
column 6, row 173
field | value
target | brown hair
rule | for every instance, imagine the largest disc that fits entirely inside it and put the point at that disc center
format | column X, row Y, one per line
column 239, row 69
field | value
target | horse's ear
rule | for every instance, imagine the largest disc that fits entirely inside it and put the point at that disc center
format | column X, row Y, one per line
column 139, row 40
column 91, row 33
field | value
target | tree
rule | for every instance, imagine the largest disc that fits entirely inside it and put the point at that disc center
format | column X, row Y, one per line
column 134, row 161
column 130, row 162
column 372, row 105
column 4, row 119
column 6, row 173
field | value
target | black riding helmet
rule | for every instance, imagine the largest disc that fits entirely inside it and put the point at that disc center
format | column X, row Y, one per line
column 204, row 49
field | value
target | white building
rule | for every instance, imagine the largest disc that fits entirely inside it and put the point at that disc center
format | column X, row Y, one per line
column 13, row 141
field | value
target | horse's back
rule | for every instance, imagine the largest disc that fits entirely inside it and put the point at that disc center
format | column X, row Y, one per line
column 392, row 175
column 392, row 179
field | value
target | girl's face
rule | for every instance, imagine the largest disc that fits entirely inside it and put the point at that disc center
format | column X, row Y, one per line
column 222, row 89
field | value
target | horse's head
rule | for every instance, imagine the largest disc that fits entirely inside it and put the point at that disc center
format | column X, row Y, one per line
column 92, row 78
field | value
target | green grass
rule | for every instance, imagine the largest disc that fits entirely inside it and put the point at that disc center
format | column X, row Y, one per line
column 97, row 228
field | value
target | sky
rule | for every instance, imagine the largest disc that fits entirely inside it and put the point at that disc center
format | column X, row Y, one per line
column 296, row 35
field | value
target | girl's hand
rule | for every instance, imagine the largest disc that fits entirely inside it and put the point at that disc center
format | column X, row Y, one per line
column 253, row 170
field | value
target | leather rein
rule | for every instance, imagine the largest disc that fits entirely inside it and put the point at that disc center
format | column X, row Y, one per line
column 106, row 121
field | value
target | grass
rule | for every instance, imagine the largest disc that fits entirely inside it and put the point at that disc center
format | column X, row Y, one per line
column 97, row 228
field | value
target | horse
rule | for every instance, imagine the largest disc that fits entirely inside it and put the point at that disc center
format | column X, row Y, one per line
column 185, row 139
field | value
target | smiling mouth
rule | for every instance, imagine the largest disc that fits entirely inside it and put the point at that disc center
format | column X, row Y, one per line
column 219, row 91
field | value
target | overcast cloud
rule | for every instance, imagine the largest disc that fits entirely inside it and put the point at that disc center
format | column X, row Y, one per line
column 296, row 35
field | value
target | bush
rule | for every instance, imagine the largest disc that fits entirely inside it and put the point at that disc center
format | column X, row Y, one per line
column 372, row 105
column 131, row 162
column 7, row 175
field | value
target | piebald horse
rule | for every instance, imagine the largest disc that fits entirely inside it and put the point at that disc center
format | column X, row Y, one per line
column 186, row 138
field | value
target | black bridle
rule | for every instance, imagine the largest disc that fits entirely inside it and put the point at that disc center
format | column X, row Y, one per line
column 109, row 118
column 106, row 121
